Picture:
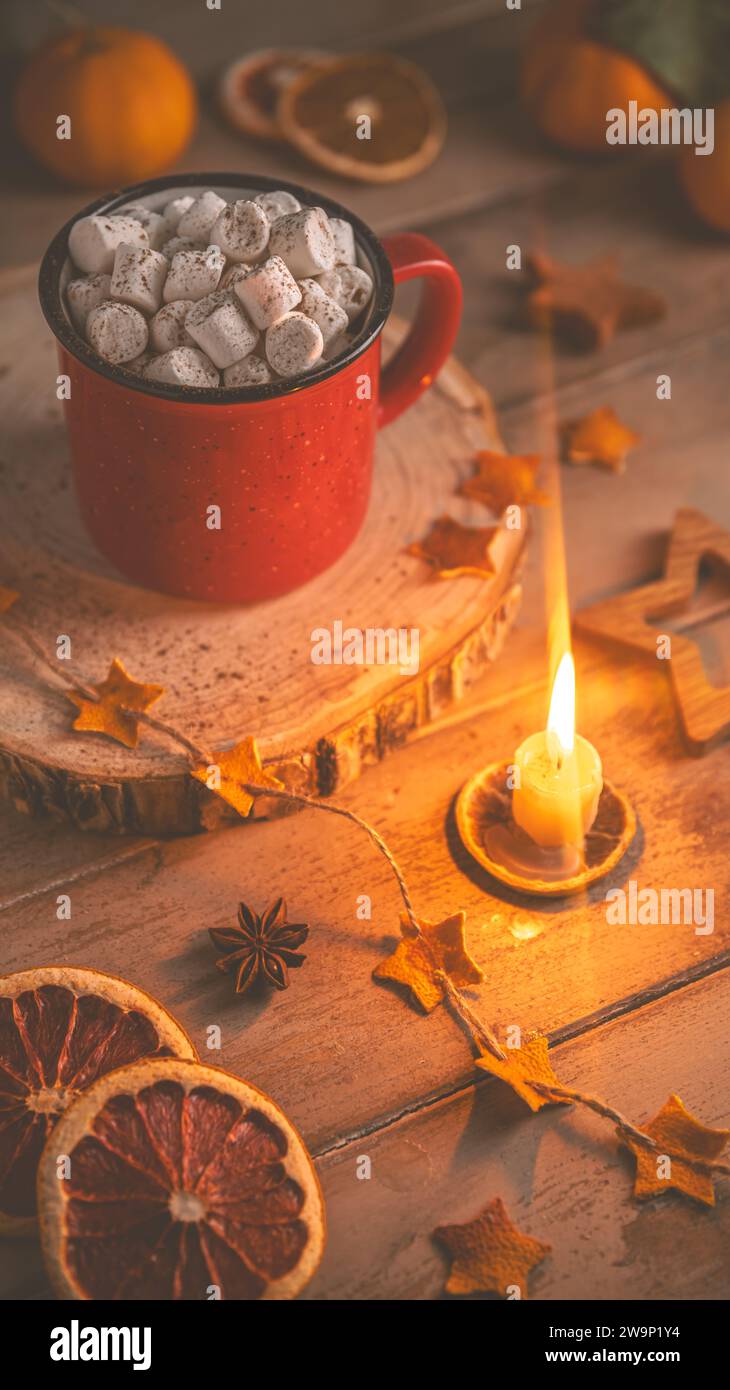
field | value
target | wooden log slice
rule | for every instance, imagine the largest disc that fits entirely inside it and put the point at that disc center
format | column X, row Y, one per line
column 229, row 671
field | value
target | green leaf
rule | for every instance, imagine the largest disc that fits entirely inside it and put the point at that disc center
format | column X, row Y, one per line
column 684, row 44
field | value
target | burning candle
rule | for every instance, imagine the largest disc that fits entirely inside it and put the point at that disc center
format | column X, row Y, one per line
column 559, row 776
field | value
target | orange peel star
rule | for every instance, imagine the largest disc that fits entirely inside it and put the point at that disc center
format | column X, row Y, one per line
column 7, row 598
column 588, row 303
column 599, row 438
column 524, row 1064
column 113, row 713
column 674, row 1128
column 238, row 768
column 504, row 480
column 489, row 1254
column 419, row 958
column 454, row 550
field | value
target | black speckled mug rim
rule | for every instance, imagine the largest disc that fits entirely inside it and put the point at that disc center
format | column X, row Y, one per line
column 55, row 258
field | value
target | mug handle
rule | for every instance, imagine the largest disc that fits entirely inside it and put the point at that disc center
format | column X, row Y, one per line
column 431, row 337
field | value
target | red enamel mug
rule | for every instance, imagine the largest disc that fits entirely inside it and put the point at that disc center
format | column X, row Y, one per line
column 288, row 464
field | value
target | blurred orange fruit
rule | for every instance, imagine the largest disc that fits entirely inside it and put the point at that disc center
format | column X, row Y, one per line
column 130, row 102
column 569, row 81
column 706, row 178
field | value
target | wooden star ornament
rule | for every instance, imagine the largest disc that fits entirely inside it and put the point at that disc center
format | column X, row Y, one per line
column 489, row 1254
column 453, row 550
column 232, row 770
column 633, row 619
column 114, row 712
column 599, row 438
column 420, row 956
column 587, row 303
column 504, row 480
column 676, row 1129
column 524, row 1064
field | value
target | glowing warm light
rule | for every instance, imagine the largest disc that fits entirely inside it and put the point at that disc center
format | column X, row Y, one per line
column 561, row 719
column 558, row 776
column 525, row 930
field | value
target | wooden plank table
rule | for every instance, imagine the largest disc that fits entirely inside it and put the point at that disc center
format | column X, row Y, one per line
column 632, row 1012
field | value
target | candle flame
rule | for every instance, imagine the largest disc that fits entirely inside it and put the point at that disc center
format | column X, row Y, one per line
column 561, row 719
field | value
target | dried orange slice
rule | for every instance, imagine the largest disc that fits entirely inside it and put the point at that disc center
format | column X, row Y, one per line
column 321, row 112
column 248, row 90
column 62, row 1027
column 173, row 1180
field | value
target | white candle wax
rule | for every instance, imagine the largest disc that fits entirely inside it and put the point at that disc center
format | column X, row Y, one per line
column 556, row 793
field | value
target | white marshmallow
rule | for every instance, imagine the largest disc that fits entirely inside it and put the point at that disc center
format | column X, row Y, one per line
column 279, row 203
column 173, row 211
column 182, row 366
column 193, row 274
column 335, row 347
column 138, row 277
column 353, row 292
column 293, row 344
column 117, row 331
column 92, row 241
column 83, row 295
column 198, row 219
column 344, row 239
column 157, row 228
column 180, row 243
column 250, row 371
column 304, row 242
column 138, row 364
column 167, row 328
column 326, row 312
column 231, row 276
column 220, row 327
column 242, row 231
column 200, row 259
column 267, row 292
column 331, row 284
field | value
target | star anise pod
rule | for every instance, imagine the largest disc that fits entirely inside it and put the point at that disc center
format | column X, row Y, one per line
column 260, row 947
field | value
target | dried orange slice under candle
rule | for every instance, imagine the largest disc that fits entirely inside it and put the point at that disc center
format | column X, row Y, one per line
column 321, row 112
column 183, row 1183
column 62, row 1027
